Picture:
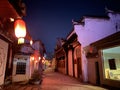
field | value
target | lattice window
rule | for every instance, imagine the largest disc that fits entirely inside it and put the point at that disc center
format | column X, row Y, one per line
column 21, row 68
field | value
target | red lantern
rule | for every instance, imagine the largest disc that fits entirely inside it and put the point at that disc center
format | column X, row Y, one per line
column 20, row 30
column 91, row 49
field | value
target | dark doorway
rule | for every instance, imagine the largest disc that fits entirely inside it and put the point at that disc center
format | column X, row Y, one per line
column 79, row 69
column 97, row 73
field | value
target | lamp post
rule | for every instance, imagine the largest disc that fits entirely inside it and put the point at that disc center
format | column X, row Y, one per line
column 20, row 30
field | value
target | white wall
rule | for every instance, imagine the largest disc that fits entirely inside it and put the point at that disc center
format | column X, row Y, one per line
column 21, row 77
column 97, row 28
column 84, row 65
column 92, row 71
column 37, row 45
column 93, row 30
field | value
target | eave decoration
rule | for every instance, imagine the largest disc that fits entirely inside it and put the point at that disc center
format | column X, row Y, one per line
column 92, row 52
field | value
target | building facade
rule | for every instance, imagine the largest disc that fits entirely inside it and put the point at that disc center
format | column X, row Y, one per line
column 27, row 59
column 60, row 57
column 103, row 68
column 68, row 56
column 84, row 60
column 7, row 39
column 91, row 29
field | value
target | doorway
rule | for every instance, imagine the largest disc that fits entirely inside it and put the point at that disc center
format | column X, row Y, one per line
column 97, row 73
column 79, row 68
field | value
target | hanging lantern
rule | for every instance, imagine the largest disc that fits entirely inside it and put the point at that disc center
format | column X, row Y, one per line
column 20, row 30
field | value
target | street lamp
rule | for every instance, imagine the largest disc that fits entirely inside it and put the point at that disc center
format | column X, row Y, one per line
column 39, row 58
column 31, row 42
column 20, row 30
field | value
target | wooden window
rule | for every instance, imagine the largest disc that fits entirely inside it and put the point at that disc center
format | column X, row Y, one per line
column 21, row 68
column 112, row 64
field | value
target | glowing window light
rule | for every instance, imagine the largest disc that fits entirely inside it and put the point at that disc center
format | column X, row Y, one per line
column 39, row 58
column 44, row 58
column 32, row 58
column 20, row 40
column 12, row 19
column 43, row 61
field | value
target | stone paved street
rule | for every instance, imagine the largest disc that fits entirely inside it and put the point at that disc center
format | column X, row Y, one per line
column 55, row 81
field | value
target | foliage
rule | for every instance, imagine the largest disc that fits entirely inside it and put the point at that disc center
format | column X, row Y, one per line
column 36, row 75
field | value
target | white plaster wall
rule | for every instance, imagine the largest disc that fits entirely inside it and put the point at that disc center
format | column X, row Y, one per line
column 84, row 65
column 93, row 30
column 21, row 77
column 37, row 45
column 91, row 72
column 114, row 17
column 31, row 66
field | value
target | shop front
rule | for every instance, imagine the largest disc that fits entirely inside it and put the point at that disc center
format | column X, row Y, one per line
column 109, row 60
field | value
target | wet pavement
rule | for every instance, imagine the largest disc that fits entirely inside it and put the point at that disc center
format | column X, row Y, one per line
column 55, row 81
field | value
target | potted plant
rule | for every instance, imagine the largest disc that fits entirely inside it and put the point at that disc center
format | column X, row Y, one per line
column 36, row 77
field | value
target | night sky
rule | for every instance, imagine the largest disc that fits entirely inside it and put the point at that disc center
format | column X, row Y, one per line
column 48, row 20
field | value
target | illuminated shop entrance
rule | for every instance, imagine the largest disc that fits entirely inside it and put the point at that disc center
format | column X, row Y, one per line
column 111, row 63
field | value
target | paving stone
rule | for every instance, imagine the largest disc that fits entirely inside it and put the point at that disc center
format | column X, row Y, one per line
column 55, row 81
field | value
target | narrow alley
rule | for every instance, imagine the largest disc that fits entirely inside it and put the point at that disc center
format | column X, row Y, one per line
column 55, row 81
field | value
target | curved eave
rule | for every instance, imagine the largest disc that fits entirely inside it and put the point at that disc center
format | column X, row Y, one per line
column 7, row 10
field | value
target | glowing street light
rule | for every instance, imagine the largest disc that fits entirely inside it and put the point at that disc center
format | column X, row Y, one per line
column 31, row 42
column 39, row 58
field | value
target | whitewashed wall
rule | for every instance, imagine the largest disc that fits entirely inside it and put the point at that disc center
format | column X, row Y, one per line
column 93, row 30
column 37, row 45
column 21, row 77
